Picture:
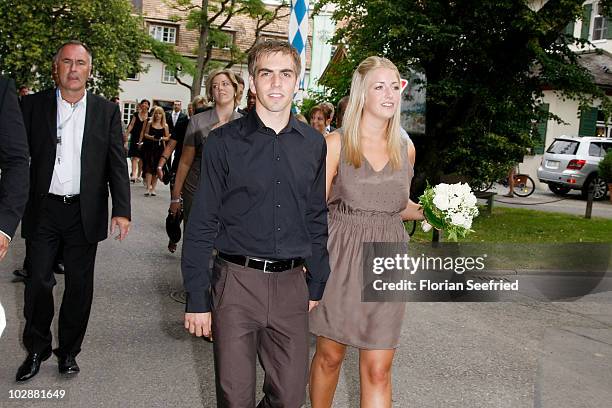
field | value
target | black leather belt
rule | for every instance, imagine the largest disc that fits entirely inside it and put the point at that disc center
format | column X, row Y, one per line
column 66, row 199
column 266, row 265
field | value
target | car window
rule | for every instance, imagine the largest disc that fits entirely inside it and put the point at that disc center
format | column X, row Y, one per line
column 560, row 146
column 607, row 146
column 595, row 149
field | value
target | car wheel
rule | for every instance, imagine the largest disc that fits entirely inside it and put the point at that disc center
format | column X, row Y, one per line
column 600, row 187
column 559, row 190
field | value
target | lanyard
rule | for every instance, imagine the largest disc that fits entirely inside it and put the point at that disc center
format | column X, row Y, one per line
column 60, row 130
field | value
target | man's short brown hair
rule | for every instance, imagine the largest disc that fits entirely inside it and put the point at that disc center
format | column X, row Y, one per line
column 272, row 47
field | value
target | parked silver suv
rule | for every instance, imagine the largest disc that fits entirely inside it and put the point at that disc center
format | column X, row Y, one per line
column 570, row 163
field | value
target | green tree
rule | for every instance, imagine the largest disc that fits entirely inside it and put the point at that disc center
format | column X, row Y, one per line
column 31, row 32
column 209, row 18
column 485, row 62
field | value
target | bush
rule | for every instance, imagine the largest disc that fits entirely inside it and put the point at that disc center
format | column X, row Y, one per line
column 605, row 167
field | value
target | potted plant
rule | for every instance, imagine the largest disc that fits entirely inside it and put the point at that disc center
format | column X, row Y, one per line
column 605, row 171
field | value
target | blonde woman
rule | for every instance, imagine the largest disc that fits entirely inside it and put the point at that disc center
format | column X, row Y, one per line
column 369, row 169
column 222, row 91
column 154, row 136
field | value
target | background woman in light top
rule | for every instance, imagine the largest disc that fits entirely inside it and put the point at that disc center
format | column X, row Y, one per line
column 222, row 91
column 154, row 137
column 369, row 170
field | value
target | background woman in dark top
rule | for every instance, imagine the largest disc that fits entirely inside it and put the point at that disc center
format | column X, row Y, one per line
column 134, row 130
column 154, row 136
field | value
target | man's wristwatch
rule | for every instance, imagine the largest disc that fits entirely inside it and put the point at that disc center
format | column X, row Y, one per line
column 176, row 200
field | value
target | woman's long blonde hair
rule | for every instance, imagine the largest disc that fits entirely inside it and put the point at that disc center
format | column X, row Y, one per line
column 351, row 138
column 162, row 121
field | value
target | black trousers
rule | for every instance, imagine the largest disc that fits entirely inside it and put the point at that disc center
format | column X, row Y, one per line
column 60, row 225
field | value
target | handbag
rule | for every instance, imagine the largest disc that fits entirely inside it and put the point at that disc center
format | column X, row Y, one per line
column 167, row 173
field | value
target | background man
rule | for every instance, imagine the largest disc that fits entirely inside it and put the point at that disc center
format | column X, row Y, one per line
column 261, row 204
column 13, row 163
column 76, row 155
column 177, row 124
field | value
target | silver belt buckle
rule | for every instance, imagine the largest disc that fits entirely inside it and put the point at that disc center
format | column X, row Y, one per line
column 66, row 198
column 266, row 266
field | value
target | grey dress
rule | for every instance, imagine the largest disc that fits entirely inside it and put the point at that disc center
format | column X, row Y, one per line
column 364, row 206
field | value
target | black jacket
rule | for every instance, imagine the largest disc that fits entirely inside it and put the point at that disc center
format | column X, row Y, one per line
column 13, row 159
column 103, row 164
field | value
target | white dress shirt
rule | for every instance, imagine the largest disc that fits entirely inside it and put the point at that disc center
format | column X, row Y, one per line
column 175, row 116
column 66, row 178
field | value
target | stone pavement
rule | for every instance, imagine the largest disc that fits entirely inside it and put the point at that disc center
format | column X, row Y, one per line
column 453, row 355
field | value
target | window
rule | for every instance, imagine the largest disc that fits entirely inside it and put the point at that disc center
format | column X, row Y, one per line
column 168, row 76
column 161, row 33
column 599, row 149
column 132, row 76
column 561, row 146
column 231, row 40
column 600, row 25
column 128, row 109
column 272, row 37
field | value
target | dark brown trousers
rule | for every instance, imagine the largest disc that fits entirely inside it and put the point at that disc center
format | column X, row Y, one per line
column 265, row 315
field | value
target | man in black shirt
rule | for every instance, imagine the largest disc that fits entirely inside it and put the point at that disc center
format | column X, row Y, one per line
column 261, row 204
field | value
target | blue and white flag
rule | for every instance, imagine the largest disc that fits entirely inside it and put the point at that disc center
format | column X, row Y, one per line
column 298, row 32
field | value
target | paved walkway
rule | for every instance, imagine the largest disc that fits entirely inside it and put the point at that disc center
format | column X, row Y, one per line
column 453, row 355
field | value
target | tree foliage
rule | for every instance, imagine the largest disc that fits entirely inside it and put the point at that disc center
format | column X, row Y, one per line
column 31, row 32
column 209, row 18
column 486, row 63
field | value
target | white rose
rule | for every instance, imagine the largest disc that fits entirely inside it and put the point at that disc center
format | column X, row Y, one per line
column 454, row 202
column 441, row 201
column 458, row 219
column 442, row 188
column 426, row 226
column 470, row 200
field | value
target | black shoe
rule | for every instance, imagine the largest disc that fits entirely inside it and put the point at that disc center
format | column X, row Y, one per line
column 21, row 273
column 31, row 365
column 68, row 365
column 58, row 268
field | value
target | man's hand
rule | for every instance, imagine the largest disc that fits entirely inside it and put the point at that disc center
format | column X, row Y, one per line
column 312, row 304
column 124, row 227
column 199, row 324
column 4, row 243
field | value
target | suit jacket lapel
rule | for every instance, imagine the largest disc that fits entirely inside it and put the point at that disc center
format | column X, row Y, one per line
column 52, row 115
column 90, row 113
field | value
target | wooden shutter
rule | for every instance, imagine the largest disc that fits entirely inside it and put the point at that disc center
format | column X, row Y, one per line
column 569, row 29
column 588, row 122
column 586, row 21
column 540, row 136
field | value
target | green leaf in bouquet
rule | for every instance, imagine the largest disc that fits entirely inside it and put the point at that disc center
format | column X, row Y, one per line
column 432, row 218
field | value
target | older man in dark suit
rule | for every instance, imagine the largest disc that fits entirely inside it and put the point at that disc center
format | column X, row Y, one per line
column 77, row 156
column 14, row 164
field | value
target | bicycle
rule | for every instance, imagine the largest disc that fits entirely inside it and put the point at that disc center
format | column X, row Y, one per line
column 524, row 186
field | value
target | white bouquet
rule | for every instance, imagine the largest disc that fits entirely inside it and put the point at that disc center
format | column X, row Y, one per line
column 449, row 207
